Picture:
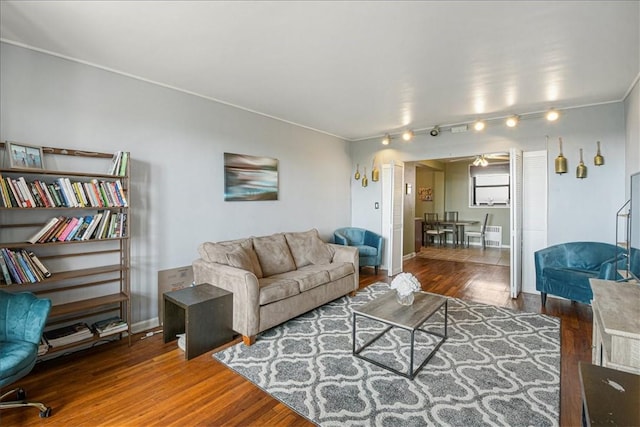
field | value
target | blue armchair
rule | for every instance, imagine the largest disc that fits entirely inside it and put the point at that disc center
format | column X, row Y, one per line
column 369, row 244
column 22, row 319
column 565, row 269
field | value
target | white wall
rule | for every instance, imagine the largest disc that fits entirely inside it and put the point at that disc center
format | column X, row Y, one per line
column 632, row 125
column 177, row 143
column 579, row 210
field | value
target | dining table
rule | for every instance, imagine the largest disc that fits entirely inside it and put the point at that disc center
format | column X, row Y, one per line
column 459, row 224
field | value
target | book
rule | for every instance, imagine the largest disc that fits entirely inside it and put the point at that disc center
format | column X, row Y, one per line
column 74, row 230
column 43, row 348
column 115, row 163
column 5, row 271
column 6, row 200
column 13, row 185
column 112, row 325
column 25, row 191
column 68, row 334
column 63, row 231
column 92, row 226
column 9, row 262
column 52, row 222
column 48, row 236
column 36, row 261
column 123, row 163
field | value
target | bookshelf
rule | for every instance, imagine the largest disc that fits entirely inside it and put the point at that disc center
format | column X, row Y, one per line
column 90, row 269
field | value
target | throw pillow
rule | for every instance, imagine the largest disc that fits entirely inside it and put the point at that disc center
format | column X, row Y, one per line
column 239, row 258
column 299, row 244
column 273, row 254
column 320, row 252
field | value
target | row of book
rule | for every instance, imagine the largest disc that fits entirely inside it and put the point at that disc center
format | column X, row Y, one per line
column 103, row 225
column 119, row 163
column 20, row 193
column 81, row 331
column 21, row 266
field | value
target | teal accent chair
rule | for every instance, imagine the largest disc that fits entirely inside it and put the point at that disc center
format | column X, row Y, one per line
column 369, row 244
column 22, row 320
column 565, row 269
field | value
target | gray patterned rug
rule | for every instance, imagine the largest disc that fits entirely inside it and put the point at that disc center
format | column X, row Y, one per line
column 497, row 367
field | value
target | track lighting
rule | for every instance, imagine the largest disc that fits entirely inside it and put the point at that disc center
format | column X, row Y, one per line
column 478, row 125
column 512, row 121
column 552, row 115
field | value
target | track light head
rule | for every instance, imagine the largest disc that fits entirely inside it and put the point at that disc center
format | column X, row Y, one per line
column 386, row 139
column 479, row 125
column 435, row 131
column 512, row 121
column 407, row 135
column 552, row 115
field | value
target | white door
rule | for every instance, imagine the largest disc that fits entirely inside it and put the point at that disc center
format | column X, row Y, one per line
column 534, row 214
column 392, row 215
column 516, row 221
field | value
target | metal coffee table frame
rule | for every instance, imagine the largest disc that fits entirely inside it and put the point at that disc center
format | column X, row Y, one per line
column 386, row 310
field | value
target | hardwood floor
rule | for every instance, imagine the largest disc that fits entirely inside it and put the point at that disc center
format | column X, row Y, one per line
column 150, row 383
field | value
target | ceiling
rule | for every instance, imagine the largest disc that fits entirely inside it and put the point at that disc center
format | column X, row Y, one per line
column 353, row 69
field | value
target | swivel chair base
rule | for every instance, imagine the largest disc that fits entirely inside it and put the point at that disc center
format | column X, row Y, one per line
column 45, row 411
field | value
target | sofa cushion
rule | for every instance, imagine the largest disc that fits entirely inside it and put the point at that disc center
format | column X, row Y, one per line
column 338, row 270
column 273, row 254
column 217, row 252
column 276, row 289
column 299, row 244
column 308, row 277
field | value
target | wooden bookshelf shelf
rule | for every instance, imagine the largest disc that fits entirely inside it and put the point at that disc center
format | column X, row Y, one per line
column 87, row 304
column 106, row 248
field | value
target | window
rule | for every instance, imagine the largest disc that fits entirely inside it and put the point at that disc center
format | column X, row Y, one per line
column 489, row 185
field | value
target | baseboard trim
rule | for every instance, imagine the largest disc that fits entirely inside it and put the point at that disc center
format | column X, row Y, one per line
column 145, row 325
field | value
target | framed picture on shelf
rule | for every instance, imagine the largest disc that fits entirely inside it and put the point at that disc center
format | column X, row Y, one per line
column 23, row 156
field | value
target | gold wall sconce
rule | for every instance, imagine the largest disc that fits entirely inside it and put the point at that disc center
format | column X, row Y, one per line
column 581, row 170
column 598, row 160
column 561, row 161
column 375, row 172
column 357, row 175
column 365, row 180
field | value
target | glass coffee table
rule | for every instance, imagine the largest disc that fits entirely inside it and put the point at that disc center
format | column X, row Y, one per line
column 387, row 310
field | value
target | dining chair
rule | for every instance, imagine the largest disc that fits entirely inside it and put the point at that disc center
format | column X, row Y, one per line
column 432, row 228
column 451, row 217
column 481, row 234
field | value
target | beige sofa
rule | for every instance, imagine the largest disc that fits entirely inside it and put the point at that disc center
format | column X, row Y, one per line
column 275, row 278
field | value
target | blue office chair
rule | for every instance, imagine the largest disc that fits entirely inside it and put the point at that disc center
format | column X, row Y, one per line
column 369, row 244
column 22, row 319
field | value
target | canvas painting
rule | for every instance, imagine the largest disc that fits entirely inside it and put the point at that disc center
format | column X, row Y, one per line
column 250, row 178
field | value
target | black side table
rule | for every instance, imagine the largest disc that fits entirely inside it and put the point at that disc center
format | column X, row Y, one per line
column 609, row 397
column 204, row 312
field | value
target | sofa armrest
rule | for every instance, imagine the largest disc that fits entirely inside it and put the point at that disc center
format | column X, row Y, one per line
column 340, row 239
column 244, row 286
